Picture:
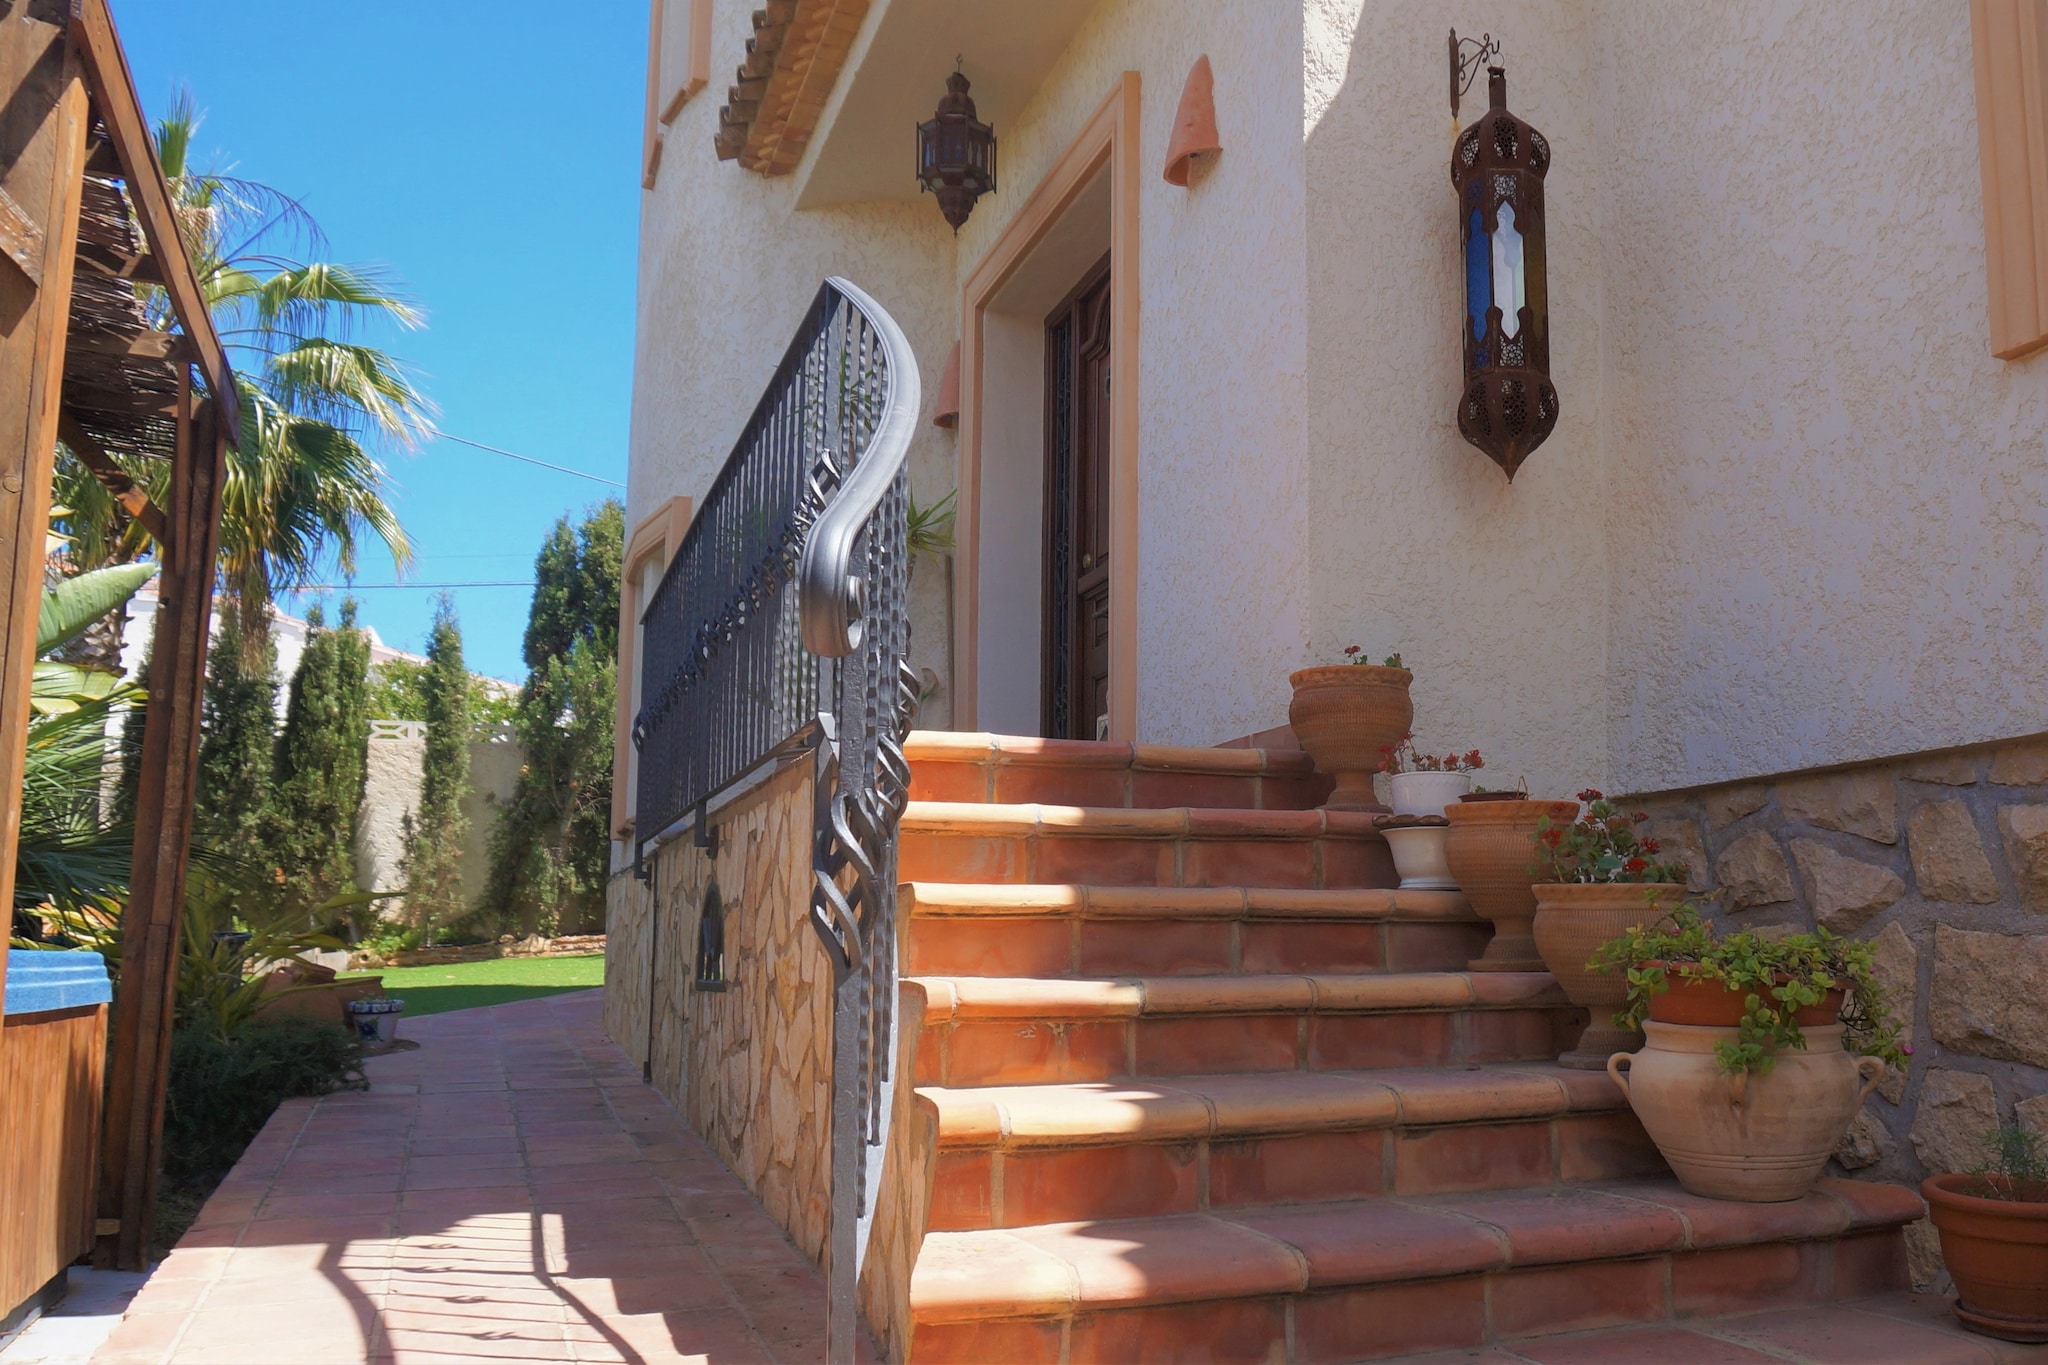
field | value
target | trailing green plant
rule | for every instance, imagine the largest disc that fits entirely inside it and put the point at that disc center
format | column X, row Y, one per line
column 1777, row 978
column 223, row 1087
column 1601, row 846
column 2016, row 1165
column 431, row 863
column 398, row 691
column 550, row 849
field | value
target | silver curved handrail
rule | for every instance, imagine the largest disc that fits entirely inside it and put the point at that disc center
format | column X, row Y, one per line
column 829, row 592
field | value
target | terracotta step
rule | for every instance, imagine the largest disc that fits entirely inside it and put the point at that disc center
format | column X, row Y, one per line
column 1011, row 1156
column 1005, row 769
column 1036, row 1030
column 1027, row 930
column 1377, row 1278
column 948, row 841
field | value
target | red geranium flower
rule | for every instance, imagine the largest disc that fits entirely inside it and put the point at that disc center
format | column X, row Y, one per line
column 1590, row 794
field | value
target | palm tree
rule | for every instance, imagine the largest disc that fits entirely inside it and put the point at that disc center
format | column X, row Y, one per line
column 305, row 484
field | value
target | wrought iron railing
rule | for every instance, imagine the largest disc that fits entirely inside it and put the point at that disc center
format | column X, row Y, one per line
column 782, row 625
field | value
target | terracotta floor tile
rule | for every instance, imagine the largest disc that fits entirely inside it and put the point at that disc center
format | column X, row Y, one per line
column 1848, row 1336
column 1640, row 1346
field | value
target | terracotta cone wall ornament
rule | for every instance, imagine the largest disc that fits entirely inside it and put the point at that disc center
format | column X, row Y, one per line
column 946, row 412
column 1194, row 123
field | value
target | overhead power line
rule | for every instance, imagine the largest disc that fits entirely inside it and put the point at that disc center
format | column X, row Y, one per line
column 366, row 587
column 527, row 459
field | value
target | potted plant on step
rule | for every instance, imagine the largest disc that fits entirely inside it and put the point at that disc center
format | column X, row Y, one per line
column 1993, row 1225
column 1346, row 716
column 1601, row 879
column 1751, row 1105
column 1488, row 850
column 1421, row 785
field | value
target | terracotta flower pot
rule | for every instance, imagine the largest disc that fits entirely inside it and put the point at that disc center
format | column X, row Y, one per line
column 1709, row 1004
column 1347, row 716
column 1490, row 852
column 1762, row 1138
column 1426, row 793
column 1572, row 920
column 1997, row 1249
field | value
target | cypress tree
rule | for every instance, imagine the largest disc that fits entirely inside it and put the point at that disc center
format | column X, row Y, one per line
column 551, row 846
column 239, row 722
column 320, row 766
column 433, row 836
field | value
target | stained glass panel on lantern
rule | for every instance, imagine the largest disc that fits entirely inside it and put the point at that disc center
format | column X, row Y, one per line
column 1478, row 274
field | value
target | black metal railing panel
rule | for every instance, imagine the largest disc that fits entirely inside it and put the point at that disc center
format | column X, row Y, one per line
column 783, row 622
column 726, row 679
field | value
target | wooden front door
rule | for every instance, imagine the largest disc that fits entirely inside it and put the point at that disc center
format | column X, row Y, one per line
column 1075, row 688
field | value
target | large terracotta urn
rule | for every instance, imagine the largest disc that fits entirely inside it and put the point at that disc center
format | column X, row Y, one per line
column 1994, row 1238
column 1572, row 920
column 1491, row 850
column 1347, row 716
column 1761, row 1137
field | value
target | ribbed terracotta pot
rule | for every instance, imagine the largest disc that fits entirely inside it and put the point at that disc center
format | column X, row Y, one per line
column 1490, row 852
column 1997, row 1249
column 1762, row 1138
column 1347, row 716
column 1572, row 920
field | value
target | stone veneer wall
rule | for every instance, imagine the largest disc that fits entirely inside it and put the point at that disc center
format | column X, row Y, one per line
column 1940, row 860
column 750, row 1067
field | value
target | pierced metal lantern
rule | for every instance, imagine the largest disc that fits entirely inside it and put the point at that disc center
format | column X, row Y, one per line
column 1509, row 405
column 956, row 153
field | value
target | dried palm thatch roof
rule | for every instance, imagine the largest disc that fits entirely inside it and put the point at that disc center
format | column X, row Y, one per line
column 120, row 369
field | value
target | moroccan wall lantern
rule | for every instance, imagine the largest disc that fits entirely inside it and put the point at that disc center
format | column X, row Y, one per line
column 956, row 153
column 1509, row 406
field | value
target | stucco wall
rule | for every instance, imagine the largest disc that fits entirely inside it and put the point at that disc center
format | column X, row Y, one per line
column 727, row 270
column 1792, row 514
column 391, row 792
column 1494, row 594
column 1830, row 500
column 1223, row 570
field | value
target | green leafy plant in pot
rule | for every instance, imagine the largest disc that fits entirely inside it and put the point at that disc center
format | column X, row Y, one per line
column 1993, row 1225
column 1595, row 878
column 1750, row 1106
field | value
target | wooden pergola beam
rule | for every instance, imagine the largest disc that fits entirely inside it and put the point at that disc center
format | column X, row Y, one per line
column 113, row 90
column 152, row 926
column 44, row 122
column 113, row 478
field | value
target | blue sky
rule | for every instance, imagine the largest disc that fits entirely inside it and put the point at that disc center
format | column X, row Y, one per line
column 487, row 154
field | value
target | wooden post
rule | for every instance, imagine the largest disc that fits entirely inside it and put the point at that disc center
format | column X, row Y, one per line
column 43, row 124
column 153, row 926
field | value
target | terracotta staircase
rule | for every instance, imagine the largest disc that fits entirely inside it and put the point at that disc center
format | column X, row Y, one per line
column 1210, row 1090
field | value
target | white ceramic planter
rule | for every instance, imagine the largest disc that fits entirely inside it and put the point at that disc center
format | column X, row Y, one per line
column 1419, row 857
column 1427, row 793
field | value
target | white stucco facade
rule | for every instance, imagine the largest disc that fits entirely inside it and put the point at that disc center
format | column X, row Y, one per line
column 1793, row 511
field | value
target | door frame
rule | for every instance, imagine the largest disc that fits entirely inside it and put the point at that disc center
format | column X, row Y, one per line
column 1109, row 140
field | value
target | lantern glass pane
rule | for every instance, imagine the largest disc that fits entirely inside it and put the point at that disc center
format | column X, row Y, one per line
column 1510, row 281
column 1478, row 274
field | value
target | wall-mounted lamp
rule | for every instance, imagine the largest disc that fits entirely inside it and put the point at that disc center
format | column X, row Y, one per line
column 1509, row 406
column 956, row 153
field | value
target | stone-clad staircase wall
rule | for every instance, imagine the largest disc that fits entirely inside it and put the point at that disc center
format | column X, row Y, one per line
column 1940, row 860
column 1205, row 1086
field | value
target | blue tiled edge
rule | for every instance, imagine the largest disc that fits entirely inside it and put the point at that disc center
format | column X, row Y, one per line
column 39, row 980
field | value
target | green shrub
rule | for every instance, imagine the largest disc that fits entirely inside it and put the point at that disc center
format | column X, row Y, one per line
column 223, row 1088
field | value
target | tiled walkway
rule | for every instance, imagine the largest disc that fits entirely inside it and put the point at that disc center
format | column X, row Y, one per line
column 509, row 1191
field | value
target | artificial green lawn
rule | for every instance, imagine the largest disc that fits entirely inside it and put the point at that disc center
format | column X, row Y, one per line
column 466, row 985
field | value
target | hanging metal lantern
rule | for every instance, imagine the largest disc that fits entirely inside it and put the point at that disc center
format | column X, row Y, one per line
column 956, row 153
column 1509, row 406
